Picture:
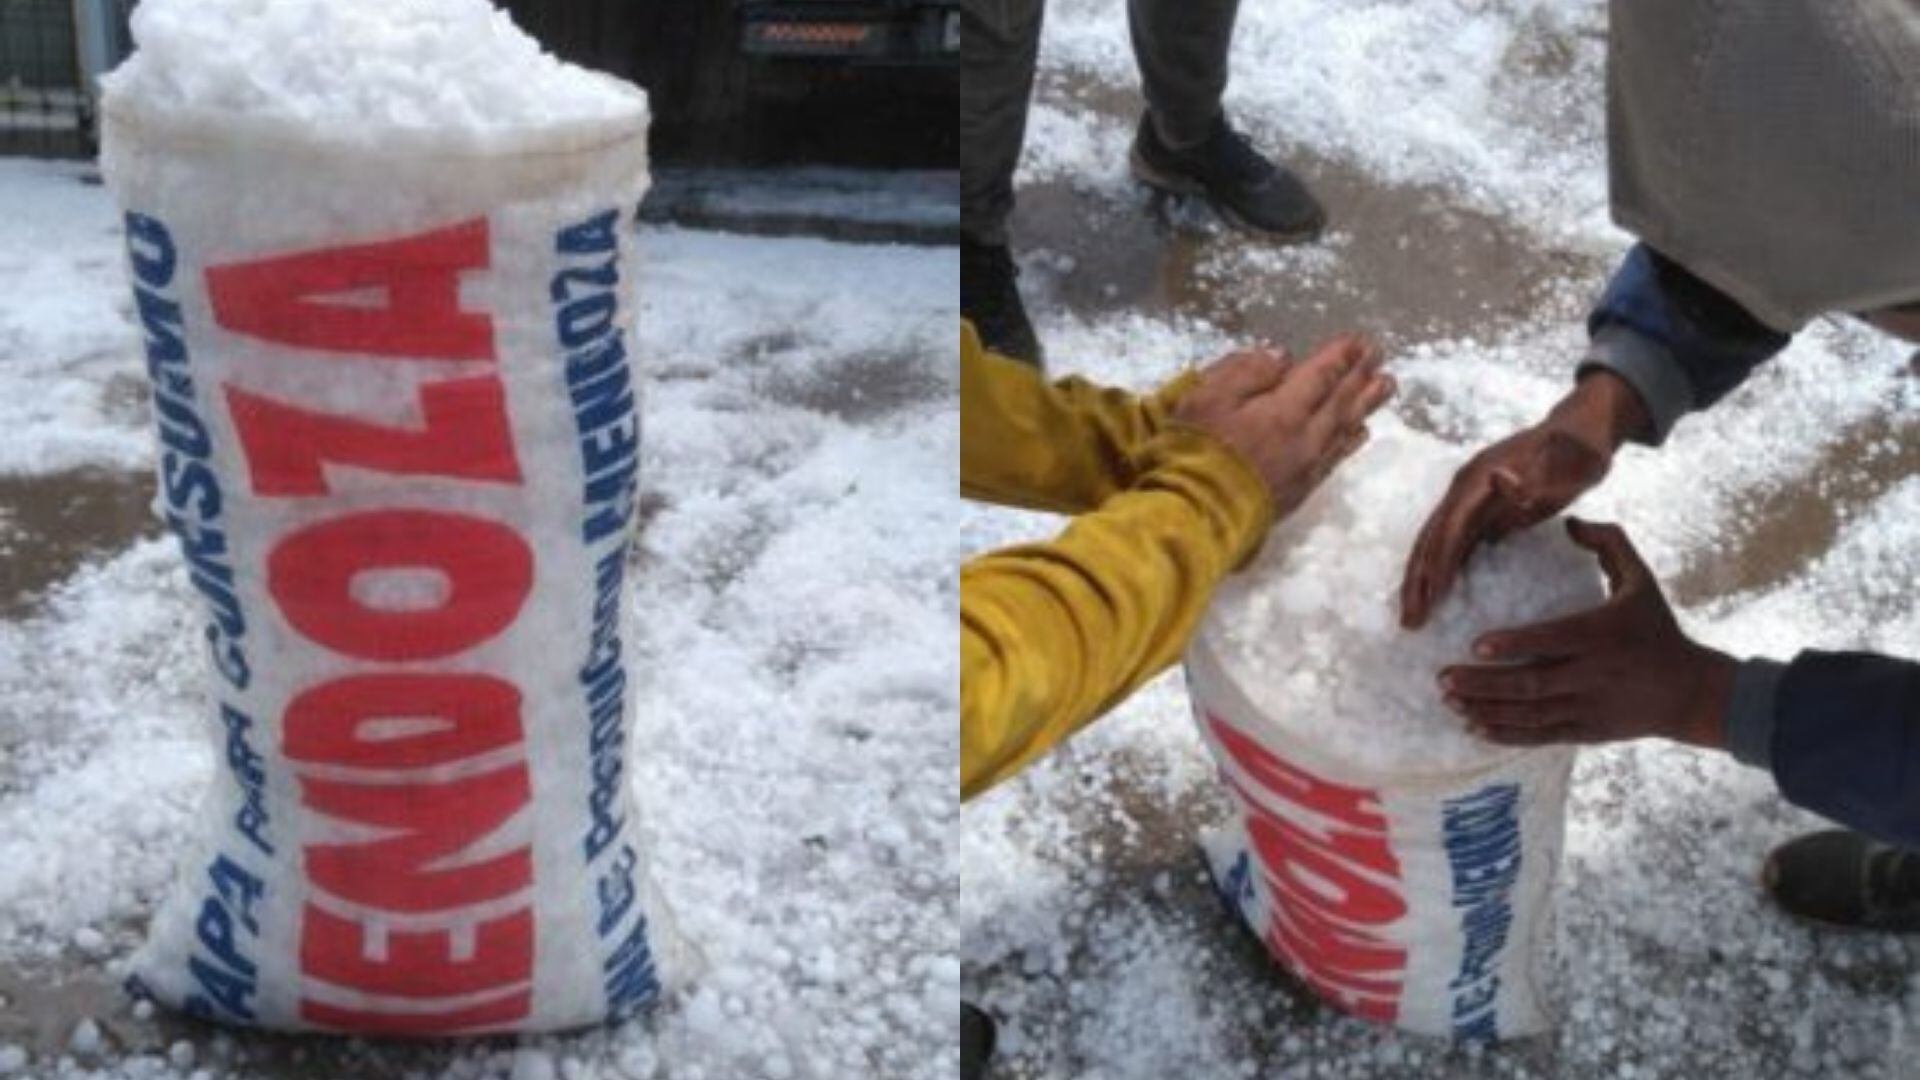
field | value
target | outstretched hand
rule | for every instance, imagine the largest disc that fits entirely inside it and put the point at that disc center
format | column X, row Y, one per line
column 1517, row 483
column 1292, row 421
column 1623, row 670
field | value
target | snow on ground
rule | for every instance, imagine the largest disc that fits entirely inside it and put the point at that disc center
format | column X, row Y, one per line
column 1784, row 519
column 65, row 325
column 795, row 678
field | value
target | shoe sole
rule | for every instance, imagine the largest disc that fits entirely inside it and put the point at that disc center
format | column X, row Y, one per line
column 1818, row 923
column 1843, row 928
column 1175, row 184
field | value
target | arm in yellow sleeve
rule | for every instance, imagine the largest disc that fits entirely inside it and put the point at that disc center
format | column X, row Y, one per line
column 1052, row 635
column 1065, row 446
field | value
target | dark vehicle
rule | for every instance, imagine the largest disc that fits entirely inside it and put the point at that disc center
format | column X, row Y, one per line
column 733, row 82
column 773, row 82
column 878, row 31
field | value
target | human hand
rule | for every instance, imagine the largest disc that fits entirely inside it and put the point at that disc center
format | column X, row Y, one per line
column 1292, row 421
column 1623, row 670
column 1519, row 482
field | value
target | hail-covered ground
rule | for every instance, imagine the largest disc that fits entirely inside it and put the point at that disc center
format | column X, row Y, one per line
column 795, row 678
column 1459, row 146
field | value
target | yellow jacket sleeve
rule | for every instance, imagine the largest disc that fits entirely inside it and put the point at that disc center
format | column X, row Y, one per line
column 1052, row 635
column 1065, row 447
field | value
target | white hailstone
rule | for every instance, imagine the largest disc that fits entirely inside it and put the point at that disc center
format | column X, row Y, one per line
column 90, row 942
column 430, row 65
column 637, row 1062
column 706, row 1015
column 86, row 1040
column 1310, row 632
column 530, row 1063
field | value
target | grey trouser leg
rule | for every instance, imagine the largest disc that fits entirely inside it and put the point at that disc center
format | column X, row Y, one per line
column 999, row 45
column 1181, row 47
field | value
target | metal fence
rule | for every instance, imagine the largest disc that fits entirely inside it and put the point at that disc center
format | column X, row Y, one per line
column 51, row 51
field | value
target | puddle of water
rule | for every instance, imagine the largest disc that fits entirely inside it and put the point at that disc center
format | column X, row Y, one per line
column 860, row 388
column 50, row 525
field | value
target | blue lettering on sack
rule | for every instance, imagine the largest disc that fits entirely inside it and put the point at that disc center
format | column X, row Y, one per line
column 225, row 978
column 605, row 679
column 1236, row 888
column 188, row 485
column 249, row 772
column 1483, row 849
column 226, row 927
column 585, row 294
column 632, row 983
column 599, row 379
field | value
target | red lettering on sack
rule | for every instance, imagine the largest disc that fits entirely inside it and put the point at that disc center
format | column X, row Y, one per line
column 417, row 965
column 435, row 822
column 407, row 762
column 1324, row 854
column 465, row 436
column 1354, row 960
column 306, row 300
column 466, row 716
column 488, row 567
column 1340, row 860
column 1381, row 1010
column 1357, row 806
column 489, row 1015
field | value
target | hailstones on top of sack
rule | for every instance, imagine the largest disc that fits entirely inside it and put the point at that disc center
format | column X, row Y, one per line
column 1311, row 628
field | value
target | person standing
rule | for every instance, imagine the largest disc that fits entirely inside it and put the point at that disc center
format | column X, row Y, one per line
column 1184, row 144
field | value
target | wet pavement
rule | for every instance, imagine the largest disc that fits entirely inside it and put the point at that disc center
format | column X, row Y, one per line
column 1787, row 528
column 51, row 525
column 1405, row 262
column 860, row 388
column 1398, row 262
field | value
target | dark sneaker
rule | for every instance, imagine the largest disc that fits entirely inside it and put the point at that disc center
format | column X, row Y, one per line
column 976, row 1042
column 1247, row 189
column 990, row 299
column 1843, row 879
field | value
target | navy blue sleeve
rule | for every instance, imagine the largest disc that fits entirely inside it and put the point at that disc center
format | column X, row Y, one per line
column 1679, row 342
column 1846, row 741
